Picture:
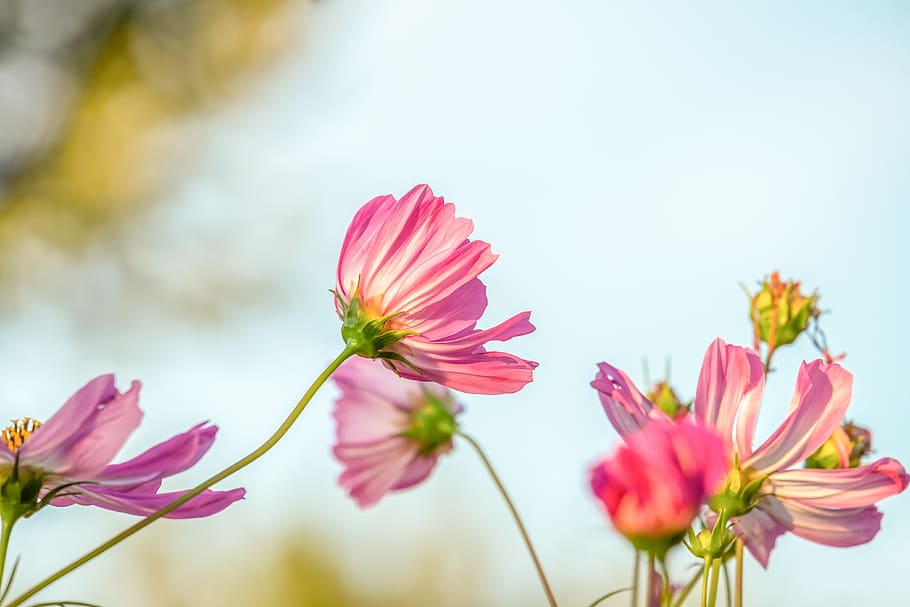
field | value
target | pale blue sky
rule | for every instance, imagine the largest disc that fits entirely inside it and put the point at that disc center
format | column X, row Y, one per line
column 631, row 165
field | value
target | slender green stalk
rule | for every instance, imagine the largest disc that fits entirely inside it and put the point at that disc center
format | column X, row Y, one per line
column 666, row 591
column 704, row 582
column 606, row 596
column 5, row 531
column 524, row 533
column 715, row 578
column 727, row 588
column 684, row 593
column 738, row 595
column 238, row 465
column 635, row 576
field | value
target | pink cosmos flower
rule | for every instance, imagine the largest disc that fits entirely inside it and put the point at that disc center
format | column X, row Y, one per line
column 409, row 263
column 831, row 507
column 659, row 478
column 75, row 446
column 390, row 430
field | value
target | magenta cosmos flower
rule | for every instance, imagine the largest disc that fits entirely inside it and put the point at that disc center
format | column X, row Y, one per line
column 408, row 291
column 67, row 459
column 390, row 430
column 658, row 480
column 764, row 494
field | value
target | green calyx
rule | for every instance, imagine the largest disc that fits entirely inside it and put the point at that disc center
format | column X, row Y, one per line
column 19, row 494
column 740, row 493
column 658, row 546
column 712, row 544
column 369, row 336
column 432, row 424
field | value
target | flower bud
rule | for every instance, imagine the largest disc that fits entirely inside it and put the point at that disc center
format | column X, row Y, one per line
column 780, row 312
column 664, row 398
column 845, row 448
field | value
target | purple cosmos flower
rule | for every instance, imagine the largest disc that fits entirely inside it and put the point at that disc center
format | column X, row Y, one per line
column 764, row 493
column 67, row 459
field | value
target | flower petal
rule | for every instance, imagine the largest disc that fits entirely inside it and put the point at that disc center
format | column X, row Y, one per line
column 759, row 530
column 626, row 407
column 143, row 504
column 417, row 472
column 842, row 488
column 101, row 435
column 167, row 458
column 840, row 527
column 821, row 398
column 465, row 365
column 730, row 383
column 69, row 419
column 371, row 471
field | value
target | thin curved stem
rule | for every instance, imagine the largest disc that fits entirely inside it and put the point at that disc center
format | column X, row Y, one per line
column 684, row 593
column 236, row 466
column 600, row 600
column 727, row 588
column 521, row 528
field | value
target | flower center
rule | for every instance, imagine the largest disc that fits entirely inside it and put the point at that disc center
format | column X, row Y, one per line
column 18, row 432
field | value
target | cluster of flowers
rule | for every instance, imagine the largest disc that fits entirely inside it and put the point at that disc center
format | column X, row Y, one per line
column 409, row 298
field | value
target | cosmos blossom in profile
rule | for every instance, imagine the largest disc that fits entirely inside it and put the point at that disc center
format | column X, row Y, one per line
column 765, row 495
column 408, row 292
column 390, row 431
column 66, row 460
column 658, row 480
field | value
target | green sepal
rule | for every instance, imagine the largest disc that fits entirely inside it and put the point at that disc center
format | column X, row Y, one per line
column 432, row 424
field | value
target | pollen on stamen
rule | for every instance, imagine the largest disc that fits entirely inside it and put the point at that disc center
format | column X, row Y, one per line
column 15, row 435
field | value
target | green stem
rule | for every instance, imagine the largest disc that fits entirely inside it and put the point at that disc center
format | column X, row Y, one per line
column 704, row 582
column 715, row 578
column 635, row 573
column 684, row 593
column 524, row 534
column 727, row 588
column 238, row 465
column 666, row 593
column 5, row 531
column 738, row 597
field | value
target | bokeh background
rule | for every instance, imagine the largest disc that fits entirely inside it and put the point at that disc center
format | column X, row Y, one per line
column 176, row 177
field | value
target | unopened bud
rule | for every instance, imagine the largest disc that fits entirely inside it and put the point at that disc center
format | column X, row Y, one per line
column 665, row 399
column 780, row 312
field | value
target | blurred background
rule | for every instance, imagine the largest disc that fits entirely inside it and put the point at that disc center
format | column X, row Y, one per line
column 176, row 177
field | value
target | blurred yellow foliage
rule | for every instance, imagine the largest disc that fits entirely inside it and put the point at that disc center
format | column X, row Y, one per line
column 154, row 68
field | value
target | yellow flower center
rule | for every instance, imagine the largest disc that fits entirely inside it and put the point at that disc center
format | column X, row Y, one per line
column 18, row 432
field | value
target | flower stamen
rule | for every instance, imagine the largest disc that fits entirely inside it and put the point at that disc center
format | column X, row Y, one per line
column 15, row 435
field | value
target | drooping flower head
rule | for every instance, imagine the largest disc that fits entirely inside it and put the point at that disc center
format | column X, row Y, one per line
column 390, row 430
column 408, row 293
column 763, row 494
column 67, row 459
column 658, row 480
